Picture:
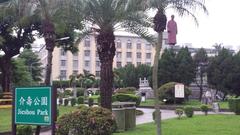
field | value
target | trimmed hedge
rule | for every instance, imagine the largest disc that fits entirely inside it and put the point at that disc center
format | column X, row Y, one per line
column 167, row 90
column 24, row 130
column 126, row 98
column 179, row 112
column 90, row 101
column 127, row 90
column 234, row 105
column 189, row 111
column 87, row 121
column 73, row 101
column 80, row 100
column 204, row 108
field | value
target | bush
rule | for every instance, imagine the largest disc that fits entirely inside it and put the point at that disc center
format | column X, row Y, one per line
column 167, row 90
column 127, row 98
column 127, row 90
column 204, row 108
column 80, row 100
column 99, row 100
column 90, row 101
column 66, row 102
column 60, row 101
column 139, row 112
column 68, row 93
column 188, row 111
column 80, row 92
column 87, row 121
column 234, row 105
column 179, row 112
column 24, row 130
column 73, row 101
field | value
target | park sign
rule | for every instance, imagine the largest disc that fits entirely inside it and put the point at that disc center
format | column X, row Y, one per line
column 33, row 105
column 179, row 90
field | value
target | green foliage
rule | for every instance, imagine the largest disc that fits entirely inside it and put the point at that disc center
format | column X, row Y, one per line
column 204, row 108
column 61, row 84
column 24, row 130
column 80, row 92
column 189, row 111
column 66, row 101
column 234, row 105
column 90, row 101
column 166, row 91
column 127, row 90
column 176, row 67
column 139, row 112
column 179, row 112
column 127, row 98
column 80, row 100
column 87, row 121
column 73, row 101
column 68, row 93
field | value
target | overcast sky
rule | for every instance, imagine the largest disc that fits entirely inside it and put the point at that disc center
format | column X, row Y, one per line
column 222, row 25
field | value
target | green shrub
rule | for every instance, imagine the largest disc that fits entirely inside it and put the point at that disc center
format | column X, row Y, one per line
column 80, row 100
column 66, row 102
column 68, row 93
column 234, row 105
column 127, row 98
column 127, row 90
column 90, row 102
column 87, row 121
column 188, row 111
column 80, row 92
column 82, row 107
column 204, row 108
column 139, row 112
column 179, row 112
column 73, row 101
column 167, row 90
column 24, row 130
column 99, row 100
column 97, row 92
column 60, row 101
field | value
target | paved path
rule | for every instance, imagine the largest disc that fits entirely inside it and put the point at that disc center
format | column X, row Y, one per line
column 147, row 116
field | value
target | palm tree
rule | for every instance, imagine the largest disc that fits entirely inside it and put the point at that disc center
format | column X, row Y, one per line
column 182, row 7
column 107, row 16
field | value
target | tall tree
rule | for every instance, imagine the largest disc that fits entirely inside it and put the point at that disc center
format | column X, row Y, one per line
column 235, row 76
column 34, row 64
column 16, row 26
column 201, row 61
column 106, row 16
column 182, row 7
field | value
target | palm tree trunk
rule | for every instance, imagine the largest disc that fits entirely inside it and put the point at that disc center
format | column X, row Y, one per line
column 5, row 65
column 158, row 48
column 106, row 49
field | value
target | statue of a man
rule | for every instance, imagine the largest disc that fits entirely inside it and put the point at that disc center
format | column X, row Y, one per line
column 172, row 31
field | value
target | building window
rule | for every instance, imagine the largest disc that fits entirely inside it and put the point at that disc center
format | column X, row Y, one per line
column 87, row 63
column 139, row 46
column 75, row 63
column 87, row 53
column 63, row 52
column 129, row 54
column 119, row 44
column 63, row 74
column 119, row 55
column 63, row 63
column 97, row 63
column 97, row 73
column 148, row 63
column 128, row 63
column 129, row 45
column 75, row 72
column 87, row 42
column 119, row 64
column 139, row 63
column 139, row 55
column 148, row 55
column 148, row 46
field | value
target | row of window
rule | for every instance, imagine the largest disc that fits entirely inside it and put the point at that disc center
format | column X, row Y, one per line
column 129, row 55
column 63, row 74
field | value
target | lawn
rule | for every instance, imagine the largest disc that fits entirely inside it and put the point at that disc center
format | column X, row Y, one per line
column 5, row 116
column 198, row 125
column 194, row 103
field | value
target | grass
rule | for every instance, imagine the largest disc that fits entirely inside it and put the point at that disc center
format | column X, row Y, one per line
column 6, row 119
column 194, row 103
column 198, row 125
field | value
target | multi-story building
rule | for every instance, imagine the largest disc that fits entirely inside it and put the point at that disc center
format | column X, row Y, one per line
column 130, row 49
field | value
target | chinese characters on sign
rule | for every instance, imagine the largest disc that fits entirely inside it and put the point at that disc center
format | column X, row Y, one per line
column 33, row 106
